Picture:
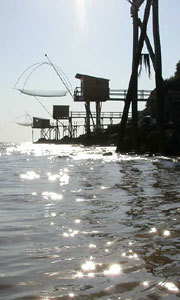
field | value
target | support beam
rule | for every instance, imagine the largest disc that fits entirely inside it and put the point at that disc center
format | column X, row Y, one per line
column 160, row 94
column 152, row 56
column 135, row 94
column 70, row 127
column 87, row 107
column 148, row 45
column 57, row 131
column 98, row 116
column 133, row 76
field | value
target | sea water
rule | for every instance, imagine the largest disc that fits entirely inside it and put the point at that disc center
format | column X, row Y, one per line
column 87, row 223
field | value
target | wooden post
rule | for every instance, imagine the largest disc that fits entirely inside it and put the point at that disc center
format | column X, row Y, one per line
column 87, row 107
column 152, row 56
column 57, row 131
column 158, row 75
column 70, row 126
column 98, row 116
column 130, row 91
column 135, row 94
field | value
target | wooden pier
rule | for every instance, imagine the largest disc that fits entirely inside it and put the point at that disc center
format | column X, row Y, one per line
column 70, row 126
column 68, row 123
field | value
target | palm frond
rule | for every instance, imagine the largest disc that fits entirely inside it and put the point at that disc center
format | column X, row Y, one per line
column 144, row 60
column 147, row 64
column 140, row 65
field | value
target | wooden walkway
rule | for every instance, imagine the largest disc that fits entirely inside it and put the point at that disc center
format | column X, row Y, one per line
column 120, row 95
column 115, row 95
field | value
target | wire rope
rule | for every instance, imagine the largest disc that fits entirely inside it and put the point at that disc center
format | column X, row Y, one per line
column 25, row 72
column 32, row 73
column 42, row 105
column 45, row 108
column 59, row 75
column 63, row 77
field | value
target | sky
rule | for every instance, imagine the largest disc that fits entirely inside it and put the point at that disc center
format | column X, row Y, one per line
column 91, row 37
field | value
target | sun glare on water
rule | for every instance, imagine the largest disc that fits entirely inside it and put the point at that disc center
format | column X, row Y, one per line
column 114, row 269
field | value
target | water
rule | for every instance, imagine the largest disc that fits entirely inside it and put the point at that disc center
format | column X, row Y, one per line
column 78, row 224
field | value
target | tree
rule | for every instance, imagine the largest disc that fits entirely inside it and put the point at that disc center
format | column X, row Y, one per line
column 173, row 83
column 177, row 73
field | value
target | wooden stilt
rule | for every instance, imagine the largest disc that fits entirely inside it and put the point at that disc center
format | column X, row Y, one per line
column 135, row 96
column 70, row 127
column 57, row 130
column 98, row 116
column 158, row 75
column 133, row 77
column 87, row 107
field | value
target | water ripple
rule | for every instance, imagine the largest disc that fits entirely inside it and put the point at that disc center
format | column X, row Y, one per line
column 77, row 223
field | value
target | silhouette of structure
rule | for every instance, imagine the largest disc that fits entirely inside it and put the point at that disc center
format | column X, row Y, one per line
column 138, row 42
column 94, row 89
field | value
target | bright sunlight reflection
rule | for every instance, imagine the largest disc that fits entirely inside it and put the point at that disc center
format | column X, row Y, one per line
column 92, row 246
column 79, row 275
column 145, row 283
column 171, row 287
column 30, row 175
column 77, row 221
column 52, row 177
column 71, row 233
column 153, row 230
column 64, row 179
column 88, row 266
column 52, row 196
column 91, row 274
column 114, row 269
column 166, row 233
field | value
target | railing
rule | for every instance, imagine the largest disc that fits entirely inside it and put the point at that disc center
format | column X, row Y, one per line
column 78, row 94
column 114, row 95
column 104, row 115
column 120, row 95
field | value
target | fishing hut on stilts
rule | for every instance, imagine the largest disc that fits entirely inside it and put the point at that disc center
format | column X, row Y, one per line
column 140, row 38
column 92, row 89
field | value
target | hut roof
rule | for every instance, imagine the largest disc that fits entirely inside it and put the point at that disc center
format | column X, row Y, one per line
column 80, row 76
